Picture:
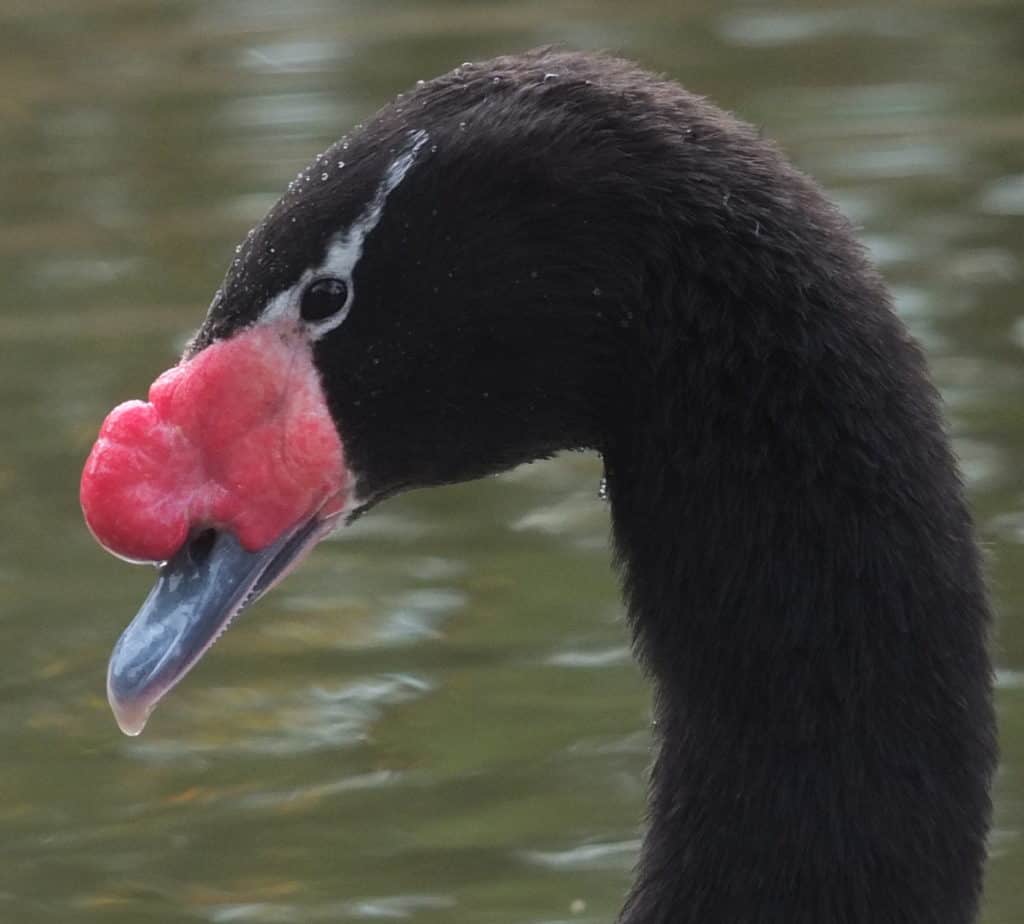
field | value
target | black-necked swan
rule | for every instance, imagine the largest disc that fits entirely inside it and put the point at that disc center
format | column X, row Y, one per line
column 558, row 250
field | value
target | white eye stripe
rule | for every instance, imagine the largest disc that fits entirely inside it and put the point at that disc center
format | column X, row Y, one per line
column 347, row 246
column 344, row 250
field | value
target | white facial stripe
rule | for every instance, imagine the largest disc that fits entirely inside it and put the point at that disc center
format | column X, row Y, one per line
column 347, row 246
column 345, row 249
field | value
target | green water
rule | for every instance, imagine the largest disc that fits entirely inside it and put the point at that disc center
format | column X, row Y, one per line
column 437, row 719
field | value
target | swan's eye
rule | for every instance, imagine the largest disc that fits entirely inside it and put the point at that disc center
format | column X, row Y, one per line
column 323, row 299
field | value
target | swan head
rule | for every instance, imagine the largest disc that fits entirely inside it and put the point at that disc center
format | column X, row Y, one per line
column 442, row 294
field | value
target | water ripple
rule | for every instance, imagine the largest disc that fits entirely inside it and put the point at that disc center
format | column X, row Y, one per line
column 602, row 856
column 267, row 721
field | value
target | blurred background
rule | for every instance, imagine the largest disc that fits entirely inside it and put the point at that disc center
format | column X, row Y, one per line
column 438, row 718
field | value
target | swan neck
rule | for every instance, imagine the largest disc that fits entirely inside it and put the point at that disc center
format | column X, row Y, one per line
column 804, row 587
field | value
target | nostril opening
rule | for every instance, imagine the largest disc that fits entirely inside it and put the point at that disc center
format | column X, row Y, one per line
column 201, row 545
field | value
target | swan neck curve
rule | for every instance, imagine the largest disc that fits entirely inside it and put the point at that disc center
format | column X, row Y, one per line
column 804, row 586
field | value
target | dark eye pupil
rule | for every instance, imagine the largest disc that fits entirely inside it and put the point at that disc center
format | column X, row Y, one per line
column 324, row 298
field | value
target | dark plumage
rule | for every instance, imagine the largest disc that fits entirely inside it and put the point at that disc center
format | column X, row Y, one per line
column 585, row 255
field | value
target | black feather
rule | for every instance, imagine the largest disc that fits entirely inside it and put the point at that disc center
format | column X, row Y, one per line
column 585, row 255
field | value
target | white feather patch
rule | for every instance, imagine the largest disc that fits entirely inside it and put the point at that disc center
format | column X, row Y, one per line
column 344, row 250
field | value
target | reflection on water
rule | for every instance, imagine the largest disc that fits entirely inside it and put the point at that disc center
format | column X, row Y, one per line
column 438, row 718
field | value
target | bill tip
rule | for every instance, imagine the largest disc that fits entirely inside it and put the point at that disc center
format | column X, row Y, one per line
column 130, row 720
